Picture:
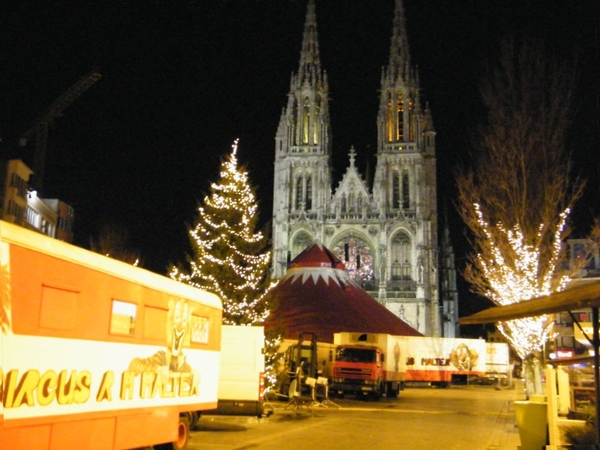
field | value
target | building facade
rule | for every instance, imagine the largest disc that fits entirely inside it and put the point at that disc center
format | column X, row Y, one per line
column 386, row 233
column 20, row 204
column 573, row 329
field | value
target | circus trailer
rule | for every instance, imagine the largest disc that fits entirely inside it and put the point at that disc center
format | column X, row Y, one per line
column 367, row 363
column 437, row 360
column 96, row 354
column 241, row 377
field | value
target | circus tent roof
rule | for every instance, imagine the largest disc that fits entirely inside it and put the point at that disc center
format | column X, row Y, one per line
column 318, row 296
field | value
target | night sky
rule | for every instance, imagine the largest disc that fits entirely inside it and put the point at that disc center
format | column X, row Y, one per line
column 181, row 80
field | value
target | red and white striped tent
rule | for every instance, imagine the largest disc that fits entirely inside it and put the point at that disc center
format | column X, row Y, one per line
column 317, row 296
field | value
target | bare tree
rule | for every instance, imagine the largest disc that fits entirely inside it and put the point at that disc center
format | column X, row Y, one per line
column 517, row 197
column 114, row 242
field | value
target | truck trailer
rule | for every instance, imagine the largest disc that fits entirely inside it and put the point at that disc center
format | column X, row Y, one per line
column 436, row 360
column 96, row 354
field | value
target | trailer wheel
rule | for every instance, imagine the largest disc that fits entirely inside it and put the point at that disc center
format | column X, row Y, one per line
column 183, row 433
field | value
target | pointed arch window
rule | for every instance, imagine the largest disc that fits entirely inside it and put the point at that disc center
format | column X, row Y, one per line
column 301, row 241
column 359, row 202
column 316, row 122
column 309, row 193
column 400, row 116
column 293, row 126
column 390, row 122
column 405, row 191
column 303, row 193
column 395, row 190
column 401, row 255
column 351, row 201
column 343, row 203
column 299, row 192
column 411, row 125
column 306, row 121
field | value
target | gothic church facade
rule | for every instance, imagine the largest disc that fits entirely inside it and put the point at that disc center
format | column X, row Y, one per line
column 386, row 233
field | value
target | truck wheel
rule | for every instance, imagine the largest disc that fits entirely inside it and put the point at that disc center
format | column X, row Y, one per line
column 183, row 433
column 377, row 393
column 392, row 390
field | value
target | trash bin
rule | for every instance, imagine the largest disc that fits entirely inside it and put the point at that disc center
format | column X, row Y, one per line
column 532, row 421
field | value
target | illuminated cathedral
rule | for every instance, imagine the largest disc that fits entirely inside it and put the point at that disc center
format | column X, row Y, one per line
column 385, row 233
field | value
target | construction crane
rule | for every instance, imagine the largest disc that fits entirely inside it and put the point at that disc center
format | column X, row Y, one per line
column 39, row 131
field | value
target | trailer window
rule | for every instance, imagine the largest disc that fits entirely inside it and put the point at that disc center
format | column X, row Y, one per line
column 199, row 329
column 122, row 319
column 58, row 308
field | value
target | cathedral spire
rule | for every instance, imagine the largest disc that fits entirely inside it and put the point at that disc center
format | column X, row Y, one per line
column 310, row 62
column 399, row 62
column 400, row 114
column 306, row 119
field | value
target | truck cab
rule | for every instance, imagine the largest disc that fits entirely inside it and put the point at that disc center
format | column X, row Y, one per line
column 368, row 363
column 358, row 370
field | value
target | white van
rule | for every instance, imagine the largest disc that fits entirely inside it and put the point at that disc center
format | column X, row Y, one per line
column 241, row 379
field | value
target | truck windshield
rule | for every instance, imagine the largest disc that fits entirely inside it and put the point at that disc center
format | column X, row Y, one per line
column 355, row 355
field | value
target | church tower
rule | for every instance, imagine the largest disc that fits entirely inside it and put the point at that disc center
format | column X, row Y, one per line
column 386, row 234
column 302, row 187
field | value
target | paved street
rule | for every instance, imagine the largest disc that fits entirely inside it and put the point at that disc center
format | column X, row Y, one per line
column 459, row 418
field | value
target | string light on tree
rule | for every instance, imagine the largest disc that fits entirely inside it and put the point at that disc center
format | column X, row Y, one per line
column 515, row 273
column 229, row 256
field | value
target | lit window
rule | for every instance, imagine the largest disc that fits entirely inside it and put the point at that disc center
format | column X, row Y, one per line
column 122, row 319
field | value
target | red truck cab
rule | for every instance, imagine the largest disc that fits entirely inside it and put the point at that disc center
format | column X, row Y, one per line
column 359, row 369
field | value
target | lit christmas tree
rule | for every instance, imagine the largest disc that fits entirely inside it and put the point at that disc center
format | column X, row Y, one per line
column 229, row 257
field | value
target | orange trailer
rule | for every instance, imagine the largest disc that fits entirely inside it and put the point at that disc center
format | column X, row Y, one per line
column 97, row 354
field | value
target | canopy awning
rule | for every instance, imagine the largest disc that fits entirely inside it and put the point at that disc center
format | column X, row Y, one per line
column 582, row 296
